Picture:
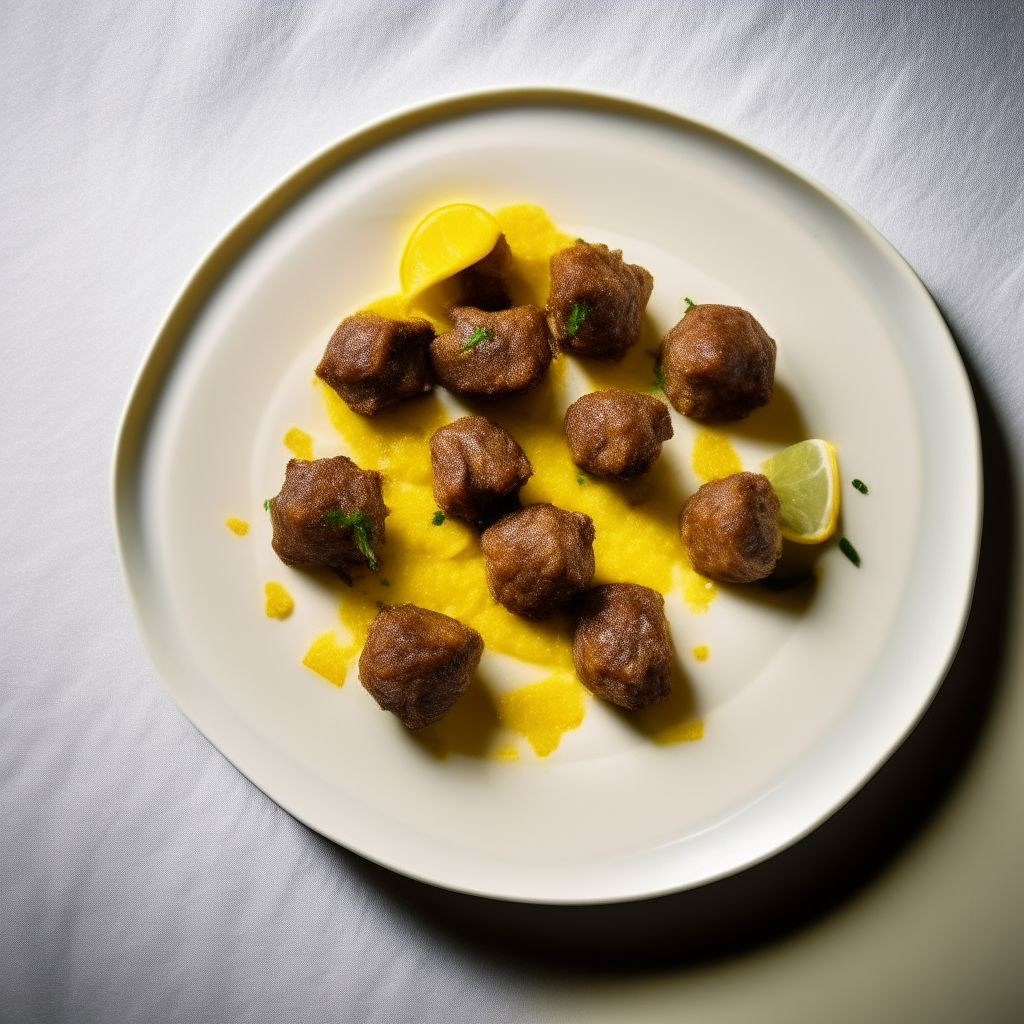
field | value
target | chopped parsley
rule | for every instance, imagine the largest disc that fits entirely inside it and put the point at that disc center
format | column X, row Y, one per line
column 385, row 583
column 580, row 479
column 861, row 486
column 582, row 241
column 479, row 334
column 659, row 378
column 850, row 551
column 689, row 303
column 266, row 505
column 438, row 518
column 360, row 524
column 577, row 314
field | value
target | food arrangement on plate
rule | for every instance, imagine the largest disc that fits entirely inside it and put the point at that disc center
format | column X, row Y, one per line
column 545, row 533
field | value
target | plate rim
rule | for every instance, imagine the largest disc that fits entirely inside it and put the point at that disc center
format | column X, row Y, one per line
column 235, row 241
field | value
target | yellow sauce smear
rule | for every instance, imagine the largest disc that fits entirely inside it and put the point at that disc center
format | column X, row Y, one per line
column 713, row 456
column 442, row 567
column 239, row 527
column 299, row 443
column 701, row 652
column 328, row 658
column 279, row 603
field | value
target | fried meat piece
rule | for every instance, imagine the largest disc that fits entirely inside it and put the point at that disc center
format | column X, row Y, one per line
column 477, row 468
column 484, row 285
column 538, row 559
column 597, row 301
column 731, row 528
column 719, row 363
column 488, row 354
column 329, row 512
column 617, row 433
column 374, row 362
column 622, row 647
column 417, row 663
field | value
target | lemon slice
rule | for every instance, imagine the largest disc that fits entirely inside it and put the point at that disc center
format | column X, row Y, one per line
column 805, row 476
column 447, row 240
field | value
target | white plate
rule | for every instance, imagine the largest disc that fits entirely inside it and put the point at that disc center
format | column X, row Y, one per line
column 799, row 709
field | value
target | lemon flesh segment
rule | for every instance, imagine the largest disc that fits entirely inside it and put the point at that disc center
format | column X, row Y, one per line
column 447, row 240
column 805, row 476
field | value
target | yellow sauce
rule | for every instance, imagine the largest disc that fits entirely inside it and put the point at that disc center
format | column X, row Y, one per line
column 239, row 527
column 442, row 567
column 327, row 658
column 701, row 652
column 279, row 603
column 713, row 456
column 681, row 733
column 544, row 711
column 299, row 443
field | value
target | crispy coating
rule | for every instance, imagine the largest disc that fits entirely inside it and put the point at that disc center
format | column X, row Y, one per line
column 303, row 534
column 417, row 663
column 609, row 297
column 477, row 468
column 719, row 363
column 538, row 559
column 622, row 647
column 617, row 433
column 374, row 362
column 731, row 528
column 512, row 358
column 484, row 285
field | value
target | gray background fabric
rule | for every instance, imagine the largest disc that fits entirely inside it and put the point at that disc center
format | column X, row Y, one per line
column 141, row 877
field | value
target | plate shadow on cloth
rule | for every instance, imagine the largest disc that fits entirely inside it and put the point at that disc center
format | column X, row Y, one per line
column 806, row 881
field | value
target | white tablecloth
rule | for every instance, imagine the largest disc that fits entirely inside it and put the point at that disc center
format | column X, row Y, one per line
column 141, row 877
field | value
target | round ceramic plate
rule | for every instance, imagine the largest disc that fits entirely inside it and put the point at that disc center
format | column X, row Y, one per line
column 801, row 699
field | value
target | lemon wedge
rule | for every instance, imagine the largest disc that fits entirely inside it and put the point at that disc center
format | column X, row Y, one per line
column 447, row 240
column 805, row 476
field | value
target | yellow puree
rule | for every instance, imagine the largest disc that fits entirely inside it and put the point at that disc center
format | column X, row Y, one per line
column 442, row 568
column 299, row 443
column 279, row 603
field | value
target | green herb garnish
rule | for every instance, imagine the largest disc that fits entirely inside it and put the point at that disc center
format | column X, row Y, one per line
column 580, row 479
column 361, row 524
column 861, row 486
column 266, row 505
column 582, row 240
column 478, row 335
column 689, row 303
column 659, row 378
column 438, row 518
column 850, row 551
column 577, row 314
column 385, row 583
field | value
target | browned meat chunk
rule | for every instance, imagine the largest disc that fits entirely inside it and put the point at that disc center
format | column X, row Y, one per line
column 374, row 362
column 477, row 467
column 417, row 663
column 731, row 528
column 597, row 301
column 538, row 559
column 719, row 363
column 329, row 512
column 623, row 648
column 484, row 285
column 617, row 433
column 488, row 354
